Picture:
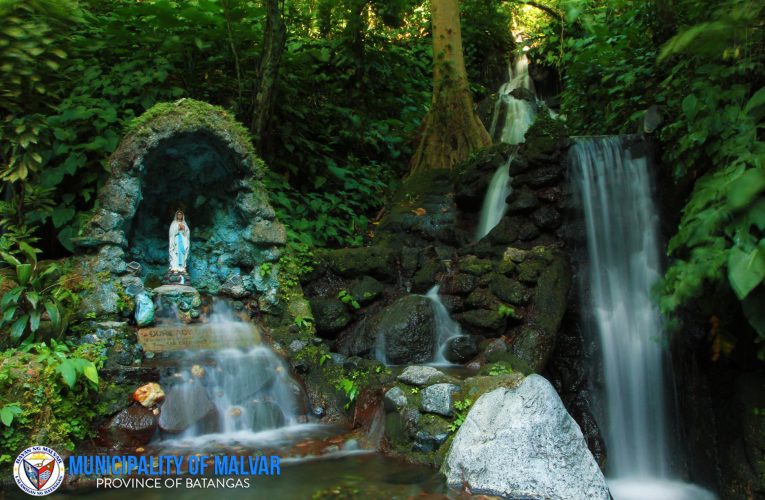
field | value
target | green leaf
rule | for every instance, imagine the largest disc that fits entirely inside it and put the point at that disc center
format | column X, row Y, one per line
column 90, row 372
column 34, row 320
column 754, row 310
column 18, row 327
column 24, row 272
column 68, row 372
column 61, row 216
column 55, row 316
column 7, row 413
column 689, row 106
column 746, row 188
column 33, row 298
column 756, row 105
column 746, row 270
column 11, row 296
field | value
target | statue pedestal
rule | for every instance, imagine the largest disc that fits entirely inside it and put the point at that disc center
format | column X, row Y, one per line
column 177, row 278
column 181, row 302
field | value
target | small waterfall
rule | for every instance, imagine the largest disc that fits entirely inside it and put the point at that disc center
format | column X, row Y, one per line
column 494, row 204
column 230, row 394
column 516, row 115
column 621, row 222
column 511, row 119
column 446, row 327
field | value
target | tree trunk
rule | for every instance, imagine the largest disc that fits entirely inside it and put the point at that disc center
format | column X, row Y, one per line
column 273, row 46
column 451, row 129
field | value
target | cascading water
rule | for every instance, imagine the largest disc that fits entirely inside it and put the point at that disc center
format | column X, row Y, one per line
column 514, row 116
column 518, row 114
column 230, row 394
column 621, row 223
column 446, row 327
column 494, row 204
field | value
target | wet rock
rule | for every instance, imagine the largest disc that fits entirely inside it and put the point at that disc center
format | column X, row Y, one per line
column 481, row 298
column 522, row 443
column 509, row 290
column 541, row 177
column 421, row 375
column 179, row 301
column 132, row 427
column 459, row 284
column 234, row 287
column 149, row 394
column 522, row 201
column 536, row 340
column 425, row 442
column 495, row 345
column 503, row 233
column 394, row 399
column 473, row 265
column 528, row 231
column 365, row 290
column 184, row 405
column 524, row 94
column 425, row 278
column 353, row 262
column 547, row 217
column 265, row 415
column 461, row 349
column 330, row 315
column 405, row 330
column 485, row 321
column 438, row 398
column 144, row 310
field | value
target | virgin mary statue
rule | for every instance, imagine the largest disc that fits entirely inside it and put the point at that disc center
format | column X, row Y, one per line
column 179, row 243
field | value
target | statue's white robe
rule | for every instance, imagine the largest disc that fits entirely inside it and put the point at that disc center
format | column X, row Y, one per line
column 179, row 246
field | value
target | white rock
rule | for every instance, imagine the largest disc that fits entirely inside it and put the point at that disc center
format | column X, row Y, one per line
column 522, row 443
column 421, row 375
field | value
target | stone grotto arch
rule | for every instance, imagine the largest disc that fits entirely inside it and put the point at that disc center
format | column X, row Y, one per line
column 192, row 156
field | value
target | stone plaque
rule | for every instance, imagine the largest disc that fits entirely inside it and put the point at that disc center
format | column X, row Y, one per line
column 198, row 336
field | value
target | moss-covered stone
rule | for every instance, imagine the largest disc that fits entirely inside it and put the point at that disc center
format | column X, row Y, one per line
column 509, row 290
column 473, row 265
column 365, row 290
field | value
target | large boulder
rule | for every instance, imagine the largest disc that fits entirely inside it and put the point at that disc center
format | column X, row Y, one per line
column 185, row 405
column 330, row 315
column 404, row 331
column 521, row 443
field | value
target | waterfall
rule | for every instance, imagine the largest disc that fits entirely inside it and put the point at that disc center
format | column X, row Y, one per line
column 517, row 114
column 230, row 394
column 446, row 327
column 621, row 224
column 494, row 204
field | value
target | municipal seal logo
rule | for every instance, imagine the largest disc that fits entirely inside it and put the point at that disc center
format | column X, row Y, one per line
column 38, row 470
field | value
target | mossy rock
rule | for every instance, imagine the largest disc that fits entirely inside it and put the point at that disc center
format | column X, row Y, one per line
column 366, row 290
column 473, row 265
column 503, row 360
column 377, row 261
column 474, row 387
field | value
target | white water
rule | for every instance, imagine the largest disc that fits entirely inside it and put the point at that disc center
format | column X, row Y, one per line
column 251, row 388
column 446, row 327
column 494, row 204
column 520, row 113
column 623, row 252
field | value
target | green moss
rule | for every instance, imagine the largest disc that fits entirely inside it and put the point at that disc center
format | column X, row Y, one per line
column 187, row 115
